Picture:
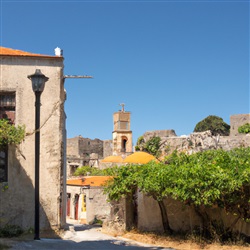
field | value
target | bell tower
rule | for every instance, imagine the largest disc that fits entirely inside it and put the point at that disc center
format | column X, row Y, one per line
column 122, row 135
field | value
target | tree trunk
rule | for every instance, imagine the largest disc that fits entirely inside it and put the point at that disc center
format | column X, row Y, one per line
column 208, row 229
column 164, row 218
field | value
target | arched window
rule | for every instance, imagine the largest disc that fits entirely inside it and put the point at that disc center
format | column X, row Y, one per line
column 124, row 143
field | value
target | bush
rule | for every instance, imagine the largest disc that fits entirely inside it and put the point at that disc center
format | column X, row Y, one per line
column 10, row 134
column 92, row 171
column 152, row 146
column 244, row 129
column 10, row 231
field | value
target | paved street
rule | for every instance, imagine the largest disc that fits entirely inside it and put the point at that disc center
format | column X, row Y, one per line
column 84, row 237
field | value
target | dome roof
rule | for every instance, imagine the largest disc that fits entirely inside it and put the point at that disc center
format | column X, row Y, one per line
column 139, row 157
column 113, row 158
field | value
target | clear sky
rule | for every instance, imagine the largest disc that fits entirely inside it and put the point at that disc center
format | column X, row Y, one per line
column 172, row 63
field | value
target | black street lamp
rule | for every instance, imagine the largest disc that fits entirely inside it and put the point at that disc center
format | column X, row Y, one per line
column 38, row 82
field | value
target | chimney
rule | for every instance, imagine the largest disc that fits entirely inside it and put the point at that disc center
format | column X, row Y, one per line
column 58, row 51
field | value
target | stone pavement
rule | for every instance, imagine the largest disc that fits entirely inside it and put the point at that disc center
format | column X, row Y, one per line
column 84, row 237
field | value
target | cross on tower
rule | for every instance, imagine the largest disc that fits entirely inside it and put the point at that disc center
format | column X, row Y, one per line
column 122, row 104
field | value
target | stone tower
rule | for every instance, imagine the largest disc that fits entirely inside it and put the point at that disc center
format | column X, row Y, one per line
column 122, row 135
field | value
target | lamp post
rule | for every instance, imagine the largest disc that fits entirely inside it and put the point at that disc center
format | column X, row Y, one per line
column 38, row 82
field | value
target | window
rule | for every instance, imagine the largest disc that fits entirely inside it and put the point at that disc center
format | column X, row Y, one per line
column 124, row 143
column 7, row 111
column 8, row 106
column 4, row 165
column 123, row 125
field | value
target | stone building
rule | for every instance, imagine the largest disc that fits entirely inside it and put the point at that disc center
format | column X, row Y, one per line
column 86, row 202
column 83, row 152
column 121, row 143
column 122, row 135
column 86, row 152
column 17, row 99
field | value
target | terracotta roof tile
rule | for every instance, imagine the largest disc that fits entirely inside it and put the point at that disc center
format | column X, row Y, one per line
column 12, row 52
column 93, row 181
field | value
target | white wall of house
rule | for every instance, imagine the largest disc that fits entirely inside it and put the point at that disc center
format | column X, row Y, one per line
column 93, row 206
column 17, row 202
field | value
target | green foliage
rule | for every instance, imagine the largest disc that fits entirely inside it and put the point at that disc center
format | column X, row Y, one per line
column 87, row 170
column 214, row 178
column 139, row 144
column 97, row 221
column 213, row 123
column 10, row 231
column 140, row 140
column 205, row 179
column 152, row 146
column 5, row 186
column 244, row 129
column 124, row 182
column 9, row 134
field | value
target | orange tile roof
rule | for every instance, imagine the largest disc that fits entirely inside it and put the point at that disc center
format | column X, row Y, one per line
column 93, row 181
column 12, row 52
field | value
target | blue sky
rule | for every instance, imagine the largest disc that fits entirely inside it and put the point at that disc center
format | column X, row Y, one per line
column 172, row 63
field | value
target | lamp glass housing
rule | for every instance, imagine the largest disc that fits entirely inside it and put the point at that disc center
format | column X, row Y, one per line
column 38, row 80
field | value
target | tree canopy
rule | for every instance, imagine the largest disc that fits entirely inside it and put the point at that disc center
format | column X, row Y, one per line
column 151, row 146
column 213, row 123
column 204, row 179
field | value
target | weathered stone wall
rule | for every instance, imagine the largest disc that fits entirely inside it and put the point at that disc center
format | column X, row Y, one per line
column 161, row 133
column 73, row 147
column 182, row 218
column 88, row 146
column 201, row 141
column 236, row 121
column 81, row 147
column 83, row 152
column 116, row 222
column 17, row 202
column 96, row 204
column 107, row 148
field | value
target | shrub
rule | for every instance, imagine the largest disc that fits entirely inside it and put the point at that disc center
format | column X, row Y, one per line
column 244, row 129
column 10, row 231
column 9, row 134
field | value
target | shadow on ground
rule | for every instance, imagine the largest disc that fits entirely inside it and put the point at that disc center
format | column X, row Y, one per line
column 80, row 237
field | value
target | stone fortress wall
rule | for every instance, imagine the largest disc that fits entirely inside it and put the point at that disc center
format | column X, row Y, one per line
column 200, row 141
